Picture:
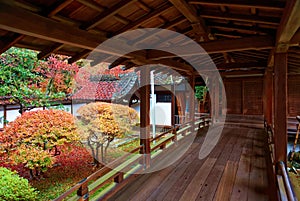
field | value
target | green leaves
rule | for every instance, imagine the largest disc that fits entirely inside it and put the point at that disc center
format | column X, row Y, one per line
column 13, row 187
column 33, row 83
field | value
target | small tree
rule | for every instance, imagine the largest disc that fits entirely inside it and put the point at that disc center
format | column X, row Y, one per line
column 101, row 123
column 31, row 137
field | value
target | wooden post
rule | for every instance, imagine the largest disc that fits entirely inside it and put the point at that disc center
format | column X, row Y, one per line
column 192, row 103
column 145, row 115
column 173, row 105
column 268, row 95
column 280, row 113
column 216, row 103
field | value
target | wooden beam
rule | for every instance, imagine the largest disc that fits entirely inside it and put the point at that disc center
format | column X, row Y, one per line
column 274, row 5
column 48, row 51
column 231, row 66
column 107, row 14
column 220, row 46
column 21, row 21
column 241, row 18
column 53, row 10
column 6, row 43
column 243, row 29
column 243, row 73
column 280, row 107
column 289, row 24
column 191, row 14
column 174, row 65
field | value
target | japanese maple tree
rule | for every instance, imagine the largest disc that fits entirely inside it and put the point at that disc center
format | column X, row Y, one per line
column 30, row 139
column 100, row 123
column 30, row 82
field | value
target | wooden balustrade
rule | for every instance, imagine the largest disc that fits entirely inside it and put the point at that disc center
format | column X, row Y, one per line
column 126, row 168
column 278, row 176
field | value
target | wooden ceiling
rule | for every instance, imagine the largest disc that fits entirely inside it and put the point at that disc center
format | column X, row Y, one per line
column 238, row 35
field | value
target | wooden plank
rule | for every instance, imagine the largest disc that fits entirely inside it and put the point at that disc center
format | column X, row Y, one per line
column 208, row 191
column 191, row 192
column 258, row 183
column 180, row 168
column 226, row 184
column 280, row 105
column 240, row 189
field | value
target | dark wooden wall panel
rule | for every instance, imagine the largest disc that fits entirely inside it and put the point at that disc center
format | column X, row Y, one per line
column 252, row 97
column 233, row 90
column 294, row 95
column 244, row 96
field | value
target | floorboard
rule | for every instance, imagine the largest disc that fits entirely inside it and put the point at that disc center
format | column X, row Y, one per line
column 234, row 170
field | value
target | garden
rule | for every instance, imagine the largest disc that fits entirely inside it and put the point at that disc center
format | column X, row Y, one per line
column 45, row 152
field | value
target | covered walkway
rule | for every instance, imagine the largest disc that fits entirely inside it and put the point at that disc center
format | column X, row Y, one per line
column 235, row 170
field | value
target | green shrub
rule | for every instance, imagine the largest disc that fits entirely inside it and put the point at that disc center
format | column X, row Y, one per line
column 13, row 187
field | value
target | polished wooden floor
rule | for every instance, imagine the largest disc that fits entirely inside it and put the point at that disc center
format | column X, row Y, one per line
column 235, row 170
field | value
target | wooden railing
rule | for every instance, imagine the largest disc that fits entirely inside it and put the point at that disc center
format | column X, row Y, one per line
column 113, row 176
column 278, row 176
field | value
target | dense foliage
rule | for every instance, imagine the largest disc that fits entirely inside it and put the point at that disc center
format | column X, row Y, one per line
column 59, row 75
column 100, row 123
column 30, row 82
column 13, row 187
column 30, row 139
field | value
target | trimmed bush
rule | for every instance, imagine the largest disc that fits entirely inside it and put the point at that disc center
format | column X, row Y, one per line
column 13, row 187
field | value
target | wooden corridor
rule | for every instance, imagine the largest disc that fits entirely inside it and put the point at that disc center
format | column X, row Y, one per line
column 235, row 170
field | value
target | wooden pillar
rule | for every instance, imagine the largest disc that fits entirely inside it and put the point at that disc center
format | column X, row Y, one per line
column 216, row 103
column 268, row 95
column 145, row 114
column 173, row 104
column 192, row 102
column 280, row 106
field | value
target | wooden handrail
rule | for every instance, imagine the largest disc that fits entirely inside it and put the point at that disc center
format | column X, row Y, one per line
column 115, row 169
column 286, row 181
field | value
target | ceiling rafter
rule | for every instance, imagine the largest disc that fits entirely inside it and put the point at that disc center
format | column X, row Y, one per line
column 197, row 22
column 53, row 10
column 155, row 13
column 270, row 5
column 49, row 50
column 78, row 56
column 107, row 14
column 241, row 18
column 6, row 43
column 94, row 5
column 219, row 46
